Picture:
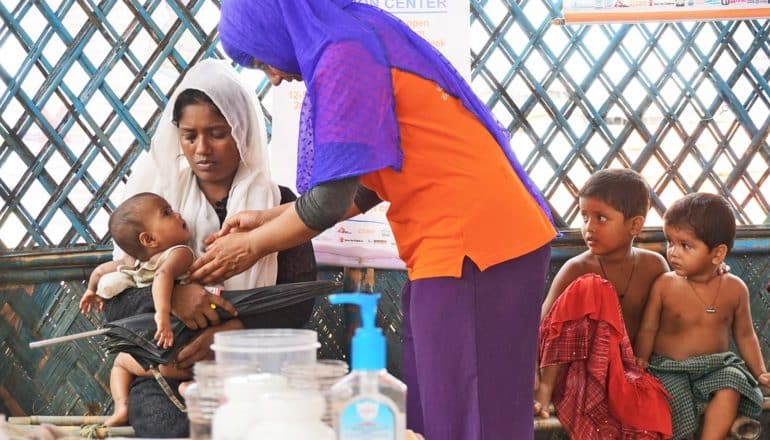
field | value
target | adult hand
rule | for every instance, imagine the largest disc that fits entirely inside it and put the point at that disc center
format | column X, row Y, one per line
column 243, row 221
column 200, row 347
column 227, row 256
column 191, row 303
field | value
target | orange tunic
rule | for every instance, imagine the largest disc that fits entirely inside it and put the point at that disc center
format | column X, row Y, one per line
column 456, row 194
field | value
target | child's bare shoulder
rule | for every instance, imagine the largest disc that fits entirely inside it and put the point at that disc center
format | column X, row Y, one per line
column 733, row 283
column 667, row 279
column 651, row 260
column 580, row 264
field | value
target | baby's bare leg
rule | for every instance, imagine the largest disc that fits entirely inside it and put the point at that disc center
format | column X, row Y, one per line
column 129, row 364
column 543, row 393
column 720, row 413
column 123, row 371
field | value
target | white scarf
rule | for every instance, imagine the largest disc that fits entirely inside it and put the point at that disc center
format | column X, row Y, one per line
column 165, row 170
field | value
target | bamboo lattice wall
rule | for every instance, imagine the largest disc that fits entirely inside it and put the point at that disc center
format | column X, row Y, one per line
column 687, row 104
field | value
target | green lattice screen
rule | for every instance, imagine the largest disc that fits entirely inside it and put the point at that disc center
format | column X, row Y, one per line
column 85, row 80
column 687, row 104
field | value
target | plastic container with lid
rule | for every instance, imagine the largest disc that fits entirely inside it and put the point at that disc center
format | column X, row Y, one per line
column 271, row 349
column 318, row 376
column 233, row 418
column 290, row 415
column 206, row 394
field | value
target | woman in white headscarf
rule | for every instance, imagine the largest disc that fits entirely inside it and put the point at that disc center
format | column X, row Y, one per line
column 189, row 167
column 209, row 160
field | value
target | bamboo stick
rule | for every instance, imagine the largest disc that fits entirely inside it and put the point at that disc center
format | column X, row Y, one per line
column 549, row 424
column 67, row 338
column 100, row 432
column 58, row 420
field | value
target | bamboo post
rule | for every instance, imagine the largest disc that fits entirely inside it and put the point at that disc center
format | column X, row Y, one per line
column 549, row 424
column 75, row 431
column 58, row 420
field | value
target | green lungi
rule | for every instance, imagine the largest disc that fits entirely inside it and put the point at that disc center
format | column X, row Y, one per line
column 691, row 383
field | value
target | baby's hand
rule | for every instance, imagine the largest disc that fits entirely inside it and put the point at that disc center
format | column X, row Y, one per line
column 641, row 362
column 164, row 335
column 90, row 300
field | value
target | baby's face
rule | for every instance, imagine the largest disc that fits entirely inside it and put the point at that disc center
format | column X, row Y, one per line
column 166, row 225
column 604, row 228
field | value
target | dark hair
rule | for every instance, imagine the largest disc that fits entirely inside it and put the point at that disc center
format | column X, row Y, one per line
column 127, row 222
column 708, row 215
column 622, row 188
column 190, row 97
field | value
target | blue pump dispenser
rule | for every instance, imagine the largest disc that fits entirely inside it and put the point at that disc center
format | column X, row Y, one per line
column 368, row 347
column 369, row 402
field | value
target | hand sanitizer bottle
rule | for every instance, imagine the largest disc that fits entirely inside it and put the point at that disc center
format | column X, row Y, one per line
column 368, row 403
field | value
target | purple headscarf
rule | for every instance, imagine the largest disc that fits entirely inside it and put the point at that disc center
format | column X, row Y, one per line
column 344, row 52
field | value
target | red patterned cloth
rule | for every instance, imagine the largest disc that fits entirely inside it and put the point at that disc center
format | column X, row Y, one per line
column 601, row 393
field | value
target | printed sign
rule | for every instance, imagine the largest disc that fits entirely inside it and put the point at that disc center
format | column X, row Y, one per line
column 632, row 11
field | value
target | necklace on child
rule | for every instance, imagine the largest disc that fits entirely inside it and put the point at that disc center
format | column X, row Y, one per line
column 709, row 308
column 630, row 275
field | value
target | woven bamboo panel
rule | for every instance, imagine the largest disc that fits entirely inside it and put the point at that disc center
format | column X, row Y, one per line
column 72, row 379
column 687, row 104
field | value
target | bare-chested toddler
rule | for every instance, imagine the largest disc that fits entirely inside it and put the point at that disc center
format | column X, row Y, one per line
column 689, row 318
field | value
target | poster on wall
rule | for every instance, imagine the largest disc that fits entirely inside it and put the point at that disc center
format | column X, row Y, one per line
column 634, row 11
column 366, row 240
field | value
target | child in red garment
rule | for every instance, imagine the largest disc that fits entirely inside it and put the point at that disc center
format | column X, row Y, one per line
column 591, row 316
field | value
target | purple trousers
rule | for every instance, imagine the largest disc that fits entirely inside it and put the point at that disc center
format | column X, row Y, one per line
column 469, row 350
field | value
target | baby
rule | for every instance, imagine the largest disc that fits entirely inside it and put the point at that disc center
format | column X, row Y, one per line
column 146, row 228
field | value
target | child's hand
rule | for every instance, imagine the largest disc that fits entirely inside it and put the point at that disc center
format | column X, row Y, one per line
column 164, row 335
column 90, row 300
column 764, row 379
column 641, row 362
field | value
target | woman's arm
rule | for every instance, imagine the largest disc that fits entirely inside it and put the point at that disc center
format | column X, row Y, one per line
column 231, row 254
column 200, row 348
column 316, row 210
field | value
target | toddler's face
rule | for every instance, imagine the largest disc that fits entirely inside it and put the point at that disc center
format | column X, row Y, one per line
column 604, row 228
column 166, row 225
column 687, row 254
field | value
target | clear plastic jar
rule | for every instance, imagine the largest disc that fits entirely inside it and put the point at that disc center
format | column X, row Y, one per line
column 233, row 419
column 207, row 393
column 318, row 376
column 289, row 415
